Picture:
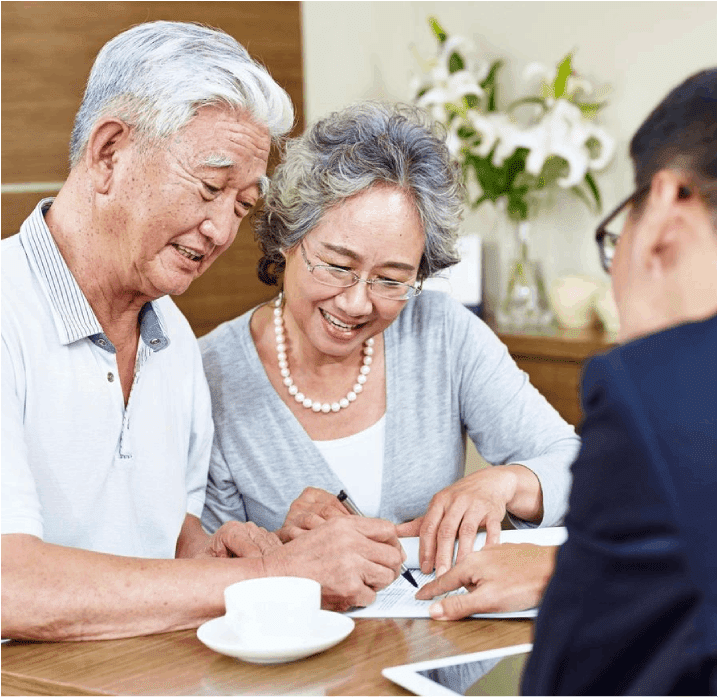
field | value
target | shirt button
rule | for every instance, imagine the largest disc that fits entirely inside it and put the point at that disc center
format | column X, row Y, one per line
column 110, row 377
column 101, row 342
column 154, row 342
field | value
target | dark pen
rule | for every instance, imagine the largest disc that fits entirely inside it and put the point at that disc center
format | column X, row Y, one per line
column 346, row 500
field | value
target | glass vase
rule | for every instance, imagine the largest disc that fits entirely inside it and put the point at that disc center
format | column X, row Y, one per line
column 525, row 306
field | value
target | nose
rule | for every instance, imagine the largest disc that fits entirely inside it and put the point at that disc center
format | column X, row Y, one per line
column 355, row 300
column 221, row 225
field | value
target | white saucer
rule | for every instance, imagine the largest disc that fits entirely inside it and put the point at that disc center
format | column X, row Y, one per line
column 330, row 630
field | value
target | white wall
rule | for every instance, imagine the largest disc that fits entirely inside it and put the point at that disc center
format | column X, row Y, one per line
column 359, row 50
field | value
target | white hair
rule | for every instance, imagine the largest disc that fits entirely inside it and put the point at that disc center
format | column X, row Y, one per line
column 155, row 76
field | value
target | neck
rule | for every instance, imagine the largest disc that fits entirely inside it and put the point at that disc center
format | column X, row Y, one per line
column 86, row 251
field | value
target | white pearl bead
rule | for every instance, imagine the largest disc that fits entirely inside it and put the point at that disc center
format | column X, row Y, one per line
column 316, row 406
column 293, row 390
column 283, row 364
column 364, row 370
column 368, row 351
column 282, row 355
column 277, row 312
column 285, row 372
column 368, row 360
column 370, row 342
column 326, row 407
column 357, row 388
column 299, row 397
column 278, row 329
column 307, row 402
column 351, row 396
column 344, row 402
column 278, row 321
column 361, row 378
column 288, row 381
column 282, row 348
column 336, row 407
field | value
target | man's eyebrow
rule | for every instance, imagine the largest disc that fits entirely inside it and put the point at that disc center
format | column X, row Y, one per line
column 223, row 162
column 219, row 161
column 346, row 252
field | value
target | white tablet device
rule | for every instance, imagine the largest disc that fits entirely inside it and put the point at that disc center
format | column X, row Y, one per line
column 490, row 673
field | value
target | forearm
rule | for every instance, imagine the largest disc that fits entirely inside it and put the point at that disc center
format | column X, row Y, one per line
column 54, row 593
column 192, row 539
column 527, row 500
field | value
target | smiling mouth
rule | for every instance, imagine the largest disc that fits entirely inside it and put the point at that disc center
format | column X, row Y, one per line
column 338, row 324
column 187, row 252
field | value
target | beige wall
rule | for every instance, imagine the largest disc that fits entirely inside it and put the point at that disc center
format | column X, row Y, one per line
column 358, row 50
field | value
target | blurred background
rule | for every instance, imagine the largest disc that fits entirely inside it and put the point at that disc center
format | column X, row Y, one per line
column 330, row 54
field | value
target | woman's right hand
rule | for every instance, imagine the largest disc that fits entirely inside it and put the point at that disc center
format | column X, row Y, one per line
column 310, row 509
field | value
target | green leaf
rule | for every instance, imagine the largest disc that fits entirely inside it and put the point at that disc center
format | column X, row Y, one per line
column 456, row 63
column 489, row 85
column 594, row 190
column 564, row 70
column 437, row 29
column 589, row 109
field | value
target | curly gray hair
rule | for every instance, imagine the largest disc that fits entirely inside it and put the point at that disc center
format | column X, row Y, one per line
column 348, row 152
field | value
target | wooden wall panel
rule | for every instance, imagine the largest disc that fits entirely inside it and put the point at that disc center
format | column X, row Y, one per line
column 47, row 52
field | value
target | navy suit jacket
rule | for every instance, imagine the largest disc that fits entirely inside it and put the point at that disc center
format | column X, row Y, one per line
column 631, row 608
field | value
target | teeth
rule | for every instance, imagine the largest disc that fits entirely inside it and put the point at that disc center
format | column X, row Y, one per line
column 190, row 254
column 337, row 323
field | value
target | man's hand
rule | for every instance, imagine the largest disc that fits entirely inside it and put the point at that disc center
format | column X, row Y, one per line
column 232, row 539
column 310, row 509
column 352, row 557
column 500, row 578
column 237, row 539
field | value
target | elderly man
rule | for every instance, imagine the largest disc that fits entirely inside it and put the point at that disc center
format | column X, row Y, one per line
column 106, row 424
column 631, row 608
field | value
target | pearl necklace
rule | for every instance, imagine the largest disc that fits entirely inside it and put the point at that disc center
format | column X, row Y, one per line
column 307, row 402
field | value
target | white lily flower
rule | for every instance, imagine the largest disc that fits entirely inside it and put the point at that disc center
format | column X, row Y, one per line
column 485, row 126
column 451, row 90
column 537, row 70
column 576, row 84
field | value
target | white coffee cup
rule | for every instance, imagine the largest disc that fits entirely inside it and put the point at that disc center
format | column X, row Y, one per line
column 273, row 611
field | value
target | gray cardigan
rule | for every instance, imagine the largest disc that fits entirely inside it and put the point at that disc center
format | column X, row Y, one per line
column 447, row 374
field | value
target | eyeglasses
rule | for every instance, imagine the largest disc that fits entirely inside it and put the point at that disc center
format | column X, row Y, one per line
column 608, row 239
column 345, row 278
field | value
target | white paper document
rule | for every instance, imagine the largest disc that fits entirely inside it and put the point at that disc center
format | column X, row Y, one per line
column 397, row 600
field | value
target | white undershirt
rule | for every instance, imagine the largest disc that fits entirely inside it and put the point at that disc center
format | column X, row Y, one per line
column 358, row 461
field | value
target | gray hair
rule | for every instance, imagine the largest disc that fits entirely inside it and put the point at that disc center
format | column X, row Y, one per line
column 155, row 76
column 348, row 152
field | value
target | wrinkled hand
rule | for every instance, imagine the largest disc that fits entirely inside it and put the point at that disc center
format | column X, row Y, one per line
column 352, row 557
column 500, row 578
column 310, row 509
column 238, row 539
column 476, row 501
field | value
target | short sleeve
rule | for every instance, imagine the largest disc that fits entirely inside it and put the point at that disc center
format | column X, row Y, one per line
column 21, row 510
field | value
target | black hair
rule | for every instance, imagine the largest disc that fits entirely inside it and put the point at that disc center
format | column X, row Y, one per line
column 680, row 133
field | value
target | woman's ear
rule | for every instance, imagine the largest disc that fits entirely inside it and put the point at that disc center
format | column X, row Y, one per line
column 108, row 138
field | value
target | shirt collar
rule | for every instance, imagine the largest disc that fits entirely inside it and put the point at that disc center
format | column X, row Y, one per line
column 72, row 313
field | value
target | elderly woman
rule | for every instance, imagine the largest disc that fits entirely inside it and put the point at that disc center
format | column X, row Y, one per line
column 352, row 378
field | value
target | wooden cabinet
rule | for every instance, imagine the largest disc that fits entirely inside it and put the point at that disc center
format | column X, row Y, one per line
column 554, row 362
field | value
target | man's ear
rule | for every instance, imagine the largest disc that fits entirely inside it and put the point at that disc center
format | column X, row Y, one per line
column 108, row 138
column 669, row 215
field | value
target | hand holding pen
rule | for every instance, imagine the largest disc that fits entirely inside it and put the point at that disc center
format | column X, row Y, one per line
column 346, row 500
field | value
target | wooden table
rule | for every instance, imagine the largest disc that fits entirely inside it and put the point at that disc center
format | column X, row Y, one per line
column 179, row 664
column 554, row 362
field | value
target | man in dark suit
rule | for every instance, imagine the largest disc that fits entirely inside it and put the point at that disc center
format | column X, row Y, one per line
column 631, row 608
